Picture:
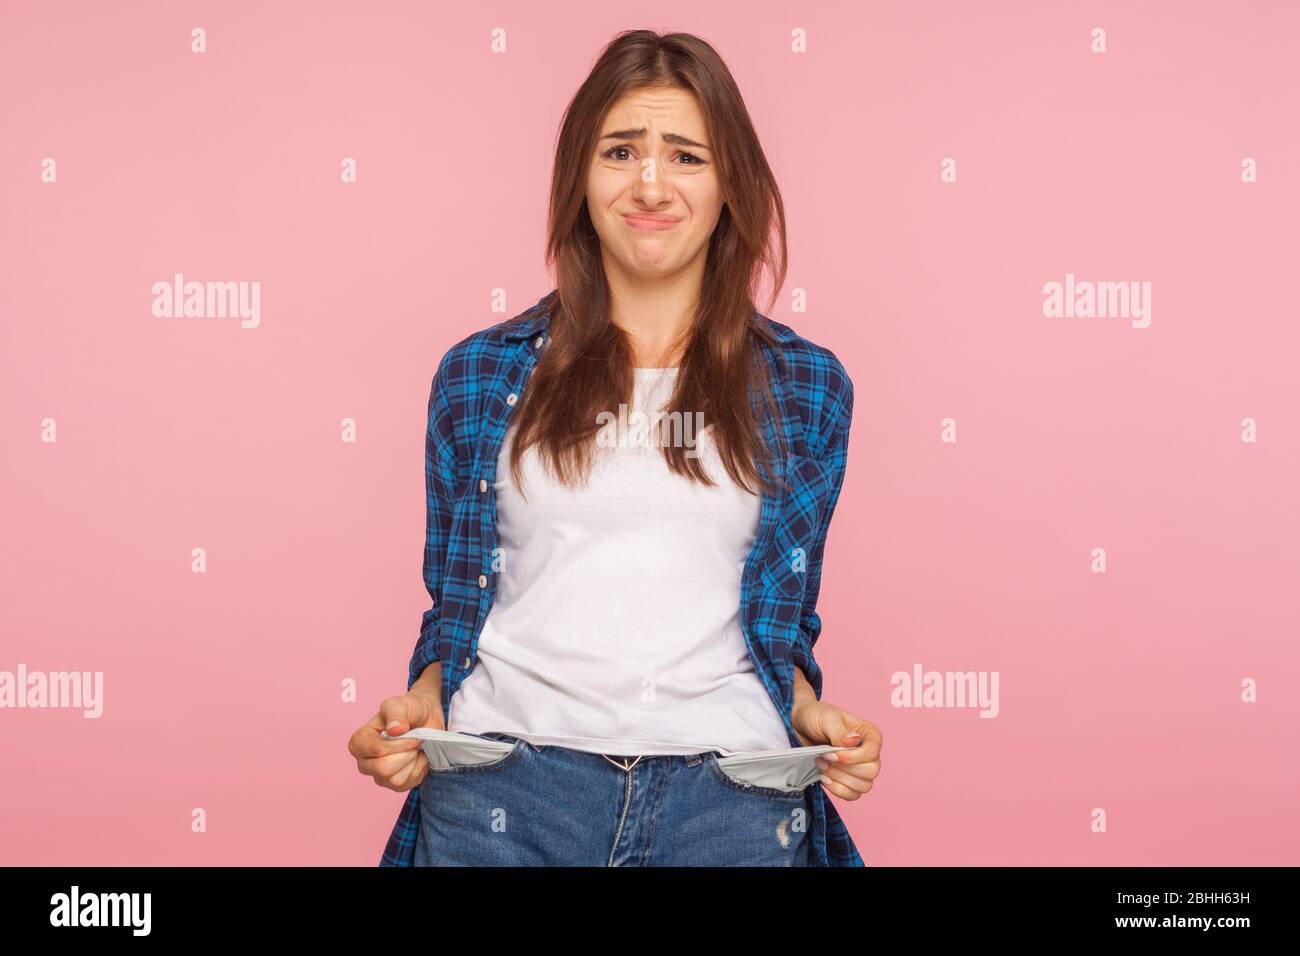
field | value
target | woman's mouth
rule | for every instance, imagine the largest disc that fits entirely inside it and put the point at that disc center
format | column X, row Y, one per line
column 651, row 223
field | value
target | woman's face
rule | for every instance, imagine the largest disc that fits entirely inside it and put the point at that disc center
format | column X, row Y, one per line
column 652, row 187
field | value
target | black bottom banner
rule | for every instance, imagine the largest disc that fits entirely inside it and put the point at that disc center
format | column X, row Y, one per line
column 842, row 908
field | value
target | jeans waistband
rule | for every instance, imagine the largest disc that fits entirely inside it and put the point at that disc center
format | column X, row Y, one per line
column 622, row 761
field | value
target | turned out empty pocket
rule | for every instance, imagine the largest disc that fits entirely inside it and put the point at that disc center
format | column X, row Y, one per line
column 449, row 749
column 787, row 770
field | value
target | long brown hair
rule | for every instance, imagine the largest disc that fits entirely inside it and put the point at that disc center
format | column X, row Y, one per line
column 586, row 367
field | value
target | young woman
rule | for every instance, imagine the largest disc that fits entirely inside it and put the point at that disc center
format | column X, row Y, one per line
column 617, row 667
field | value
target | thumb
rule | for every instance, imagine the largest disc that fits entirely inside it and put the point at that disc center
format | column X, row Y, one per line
column 400, row 714
column 842, row 729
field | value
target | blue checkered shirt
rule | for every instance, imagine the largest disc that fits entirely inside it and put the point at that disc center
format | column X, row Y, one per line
column 477, row 386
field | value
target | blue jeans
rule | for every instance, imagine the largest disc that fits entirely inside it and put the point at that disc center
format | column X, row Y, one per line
column 552, row 806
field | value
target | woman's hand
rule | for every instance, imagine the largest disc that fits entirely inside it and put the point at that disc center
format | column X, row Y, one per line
column 846, row 773
column 397, row 764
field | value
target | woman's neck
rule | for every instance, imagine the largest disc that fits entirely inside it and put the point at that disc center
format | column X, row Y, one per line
column 656, row 315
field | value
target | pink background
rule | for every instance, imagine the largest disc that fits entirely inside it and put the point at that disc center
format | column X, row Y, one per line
column 222, row 690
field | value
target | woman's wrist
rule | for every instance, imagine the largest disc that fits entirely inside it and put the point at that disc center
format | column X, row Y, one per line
column 429, row 683
column 803, row 694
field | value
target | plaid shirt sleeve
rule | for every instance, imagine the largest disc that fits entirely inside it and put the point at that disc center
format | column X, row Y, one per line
column 835, row 457
column 439, row 483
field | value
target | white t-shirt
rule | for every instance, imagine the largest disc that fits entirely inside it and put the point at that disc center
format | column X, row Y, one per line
column 616, row 627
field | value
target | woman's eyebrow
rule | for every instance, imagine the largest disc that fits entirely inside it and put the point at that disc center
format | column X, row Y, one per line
column 668, row 137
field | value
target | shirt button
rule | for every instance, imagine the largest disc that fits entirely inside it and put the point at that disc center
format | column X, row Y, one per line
column 538, row 343
column 482, row 484
column 467, row 662
column 511, row 398
column 482, row 580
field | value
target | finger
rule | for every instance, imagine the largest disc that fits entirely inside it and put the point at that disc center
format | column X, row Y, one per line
column 865, row 739
column 841, row 787
column 847, row 777
column 836, row 725
column 858, row 777
column 863, row 771
column 400, row 713
column 404, row 781
column 839, row 790
column 394, row 770
column 411, row 774
column 366, row 742
column 381, row 767
column 396, row 714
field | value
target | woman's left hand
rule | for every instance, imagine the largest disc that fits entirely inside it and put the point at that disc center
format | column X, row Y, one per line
column 848, row 774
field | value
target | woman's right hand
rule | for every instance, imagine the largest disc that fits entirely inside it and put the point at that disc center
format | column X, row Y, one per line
column 396, row 764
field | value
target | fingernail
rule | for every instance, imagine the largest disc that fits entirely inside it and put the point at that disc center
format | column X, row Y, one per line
column 831, row 756
column 821, row 764
column 825, row 779
column 853, row 736
column 394, row 723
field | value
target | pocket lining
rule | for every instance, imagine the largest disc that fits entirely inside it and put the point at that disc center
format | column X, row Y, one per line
column 513, row 755
column 736, row 784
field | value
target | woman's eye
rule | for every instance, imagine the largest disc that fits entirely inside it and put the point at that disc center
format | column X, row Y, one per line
column 609, row 154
